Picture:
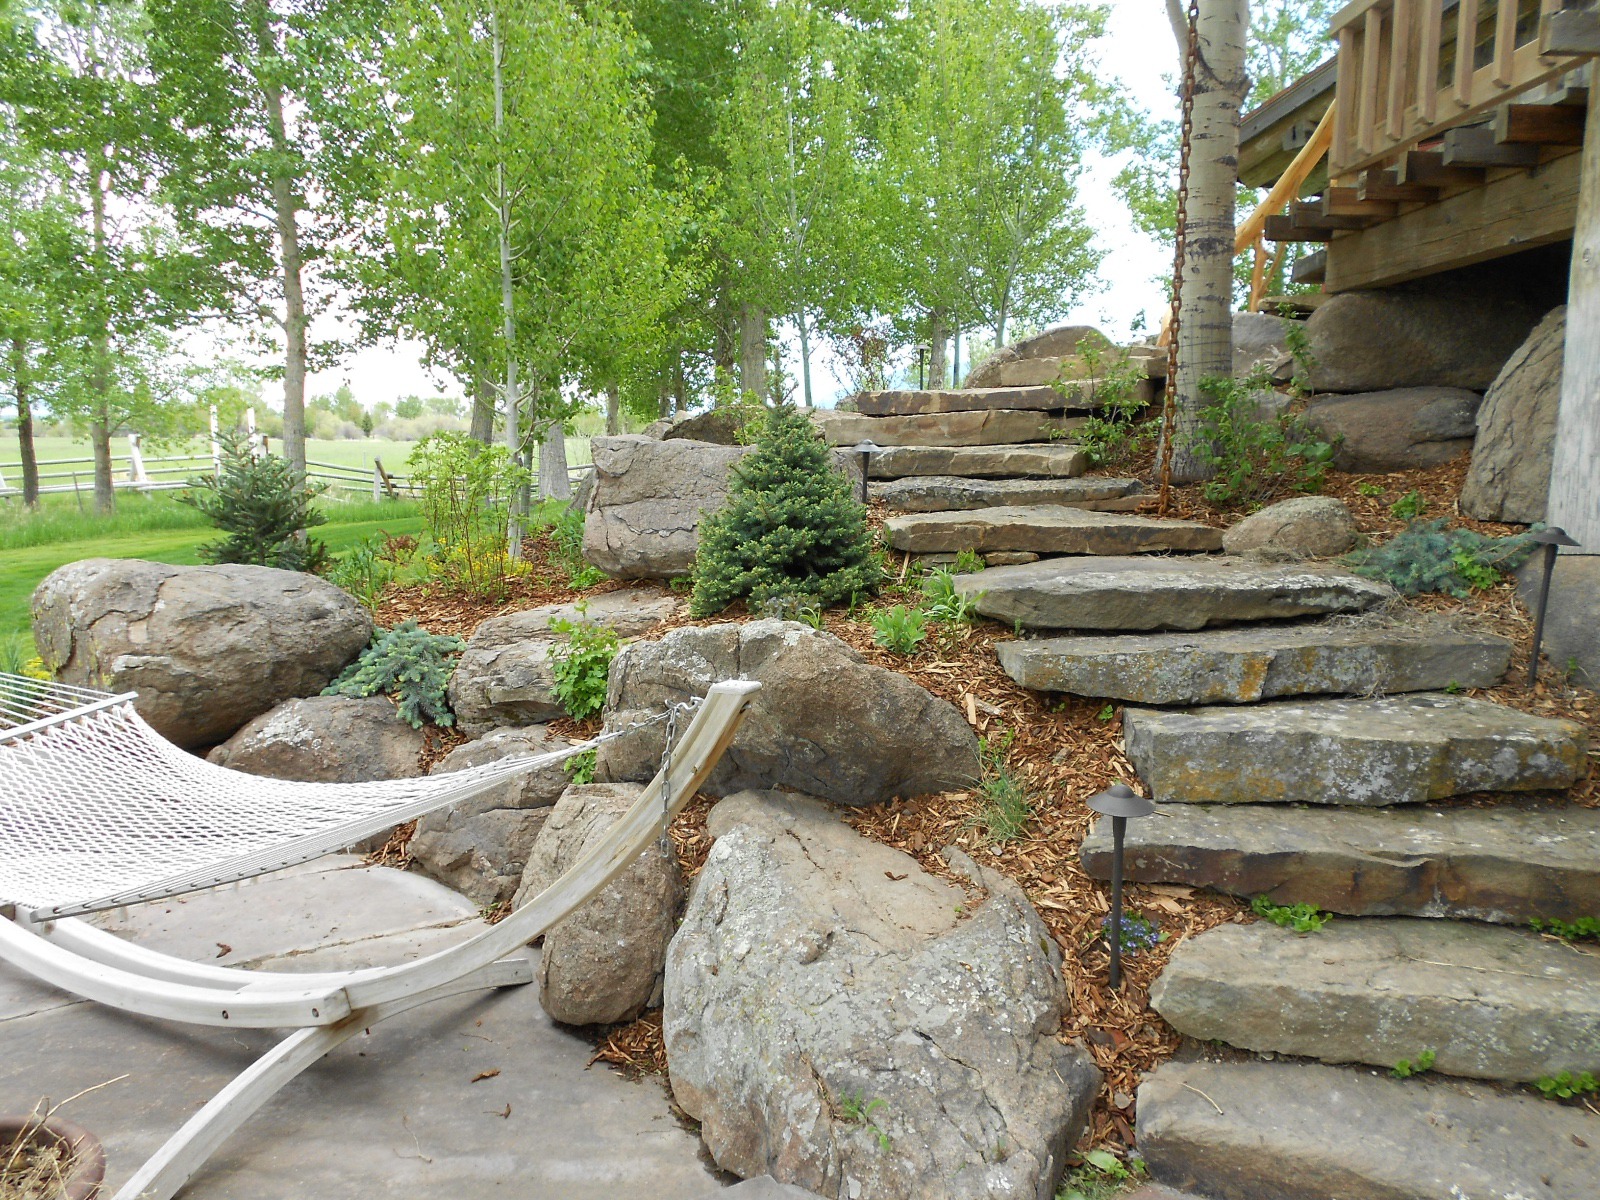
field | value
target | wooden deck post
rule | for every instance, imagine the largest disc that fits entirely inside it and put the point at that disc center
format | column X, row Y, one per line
column 1575, row 472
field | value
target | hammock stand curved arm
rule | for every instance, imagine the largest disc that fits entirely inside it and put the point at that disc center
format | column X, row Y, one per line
column 326, row 1008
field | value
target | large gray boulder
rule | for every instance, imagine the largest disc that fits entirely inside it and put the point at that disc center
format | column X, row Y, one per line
column 504, row 678
column 604, row 962
column 206, row 648
column 326, row 739
column 480, row 846
column 837, row 1018
column 1394, row 430
column 1057, row 342
column 644, row 511
column 1509, row 479
column 1572, row 615
column 1314, row 526
column 1258, row 338
column 825, row 722
column 1368, row 341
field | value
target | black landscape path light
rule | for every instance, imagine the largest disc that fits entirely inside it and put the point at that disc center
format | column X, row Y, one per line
column 1550, row 538
column 866, row 447
column 1119, row 802
column 922, row 365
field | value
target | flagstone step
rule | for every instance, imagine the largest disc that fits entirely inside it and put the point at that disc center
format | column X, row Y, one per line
column 945, row 493
column 1489, row 1002
column 1030, row 372
column 1394, row 750
column 1164, row 593
column 1047, row 529
column 988, row 427
column 1250, row 663
column 1058, row 460
column 1508, row 863
column 1302, row 1131
column 1079, row 395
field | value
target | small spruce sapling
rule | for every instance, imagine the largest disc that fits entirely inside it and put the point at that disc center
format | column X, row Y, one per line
column 409, row 663
column 262, row 507
column 791, row 527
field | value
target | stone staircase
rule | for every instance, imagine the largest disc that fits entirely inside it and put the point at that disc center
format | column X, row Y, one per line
column 1304, row 744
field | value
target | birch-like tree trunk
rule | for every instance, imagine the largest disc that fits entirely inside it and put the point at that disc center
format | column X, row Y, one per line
column 105, row 494
column 554, row 482
column 753, row 350
column 21, row 390
column 482, row 428
column 508, row 301
column 804, row 324
column 613, row 409
column 1205, row 334
column 937, row 334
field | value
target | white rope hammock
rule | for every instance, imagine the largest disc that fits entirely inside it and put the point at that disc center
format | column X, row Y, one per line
column 97, row 810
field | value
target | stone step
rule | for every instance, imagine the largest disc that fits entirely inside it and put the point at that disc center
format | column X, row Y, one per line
column 989, row 427
column 1049, row 461
column 1030, row 372
column 1395, row 750
column 1302, row 1131
column 1243, row 665
column 945, row 493
column 1078, row 395
column 1047, row 529
column 1488, row 1001
column 1508, row 863
column 1164, row 593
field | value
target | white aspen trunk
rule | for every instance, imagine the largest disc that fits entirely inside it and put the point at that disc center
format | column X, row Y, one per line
column 554, row 482
column 613, row 409
column 753, row 350
column 1205, row 335
column 805, row 355
column 290, row 259
column 955, row 356
column 508, row 304
column 482, row 429
column 21, row 389
column 105, row 495
column 936, row 349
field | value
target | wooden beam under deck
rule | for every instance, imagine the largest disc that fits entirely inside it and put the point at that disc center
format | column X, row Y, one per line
column 1515, row 212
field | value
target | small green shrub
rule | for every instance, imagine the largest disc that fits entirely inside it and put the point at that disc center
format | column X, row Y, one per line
column 1101, row 1177
column 409, row 663
column 467, row 489
column 1427, row 557
column 1406, row 1068
column 1112, row 433
column 858, row 1110
column 900, row 629
column 1251, row 457
column 1006, row 803
column 1568, row 931
column 363, row 571
column 261, row 507
column 968, row 562
column 581, row 665
column 1409, row 507
column 1298, row 342
column 1302, row 918
column 1369, row 489
column 582, row 766
column 791, row 526
column 1566, row 1085
column 945, row 603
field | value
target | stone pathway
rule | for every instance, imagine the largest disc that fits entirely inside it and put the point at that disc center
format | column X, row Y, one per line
column 473, row 1097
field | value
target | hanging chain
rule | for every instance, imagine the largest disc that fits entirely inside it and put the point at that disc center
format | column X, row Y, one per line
column 1169, row 406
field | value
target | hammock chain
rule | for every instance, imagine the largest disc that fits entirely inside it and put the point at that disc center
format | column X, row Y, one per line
column 1169, row 406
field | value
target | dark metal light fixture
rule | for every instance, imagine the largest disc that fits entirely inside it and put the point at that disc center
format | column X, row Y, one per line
column 1119, row 802
column 1550, row 538
column 922, row 364
column 866, row 447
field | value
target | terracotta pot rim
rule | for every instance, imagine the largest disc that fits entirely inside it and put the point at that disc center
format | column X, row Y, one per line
column 84, row 1183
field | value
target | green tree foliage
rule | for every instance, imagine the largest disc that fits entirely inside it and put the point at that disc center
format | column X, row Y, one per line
column 410, row 664
column 261, row 508
column 791, row 527
column 466, row 498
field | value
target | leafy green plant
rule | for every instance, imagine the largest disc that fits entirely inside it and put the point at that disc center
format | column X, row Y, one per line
column 1302, row 918
column 581, row 665
column 1406, row 1068
column 1112, row 433
column 1427, row 557
column 1108, row 713
column 945, row 603
column 262, row 508
column 1252, row 457
column 1138, row 932
column 1369, row 489
column 858, row 1110
column 1567, row 1084
column 1409, row 507
column 791, row 526
column 899, row 629
column 467, row 489
column 1298, row 342
column 1568, row 931
column 1006, row 802
column 582, row 766
column 363, row 571
column 968, row 562
column 410, row 664
column 19, row 656
column 1101, row 1176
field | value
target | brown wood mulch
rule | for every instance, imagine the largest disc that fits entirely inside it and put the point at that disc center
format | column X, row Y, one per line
column 1065, row 749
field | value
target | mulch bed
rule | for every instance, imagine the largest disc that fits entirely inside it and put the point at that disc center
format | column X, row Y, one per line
column 1065, row 749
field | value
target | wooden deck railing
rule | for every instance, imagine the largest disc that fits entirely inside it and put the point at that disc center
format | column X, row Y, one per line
column 1410, row 69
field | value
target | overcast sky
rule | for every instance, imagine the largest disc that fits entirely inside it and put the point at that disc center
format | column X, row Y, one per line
column 1138, row 52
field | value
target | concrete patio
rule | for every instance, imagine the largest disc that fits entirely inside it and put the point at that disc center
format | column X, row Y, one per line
column 477, row 1096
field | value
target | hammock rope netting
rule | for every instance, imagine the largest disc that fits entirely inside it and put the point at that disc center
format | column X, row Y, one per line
column 98, row 810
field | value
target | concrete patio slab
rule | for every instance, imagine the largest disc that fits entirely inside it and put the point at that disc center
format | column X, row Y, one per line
column 478, row 1096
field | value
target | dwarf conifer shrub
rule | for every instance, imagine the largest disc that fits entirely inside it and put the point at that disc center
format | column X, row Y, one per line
column 1428, row 557
column 261, row 507
column 790, row 528
column 410, row 664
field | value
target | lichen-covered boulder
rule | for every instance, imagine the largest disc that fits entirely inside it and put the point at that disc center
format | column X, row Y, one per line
column 480, row 846
column 1057, row 342
column 604, row 962
column 206, row 648
column 845, row 1022
column 326, row 739
column 1314, row 526
column 825, row 722
column 1397, row 429
column 1509, row 479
